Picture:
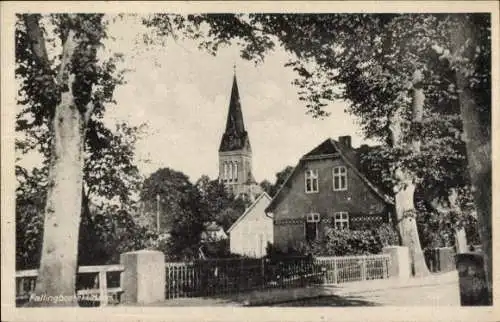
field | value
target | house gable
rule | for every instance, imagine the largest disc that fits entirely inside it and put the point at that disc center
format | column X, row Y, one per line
column 263, row 197
column 253, row 230
column 327, row 150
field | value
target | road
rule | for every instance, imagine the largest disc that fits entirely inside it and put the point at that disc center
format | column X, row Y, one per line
column 428, row 295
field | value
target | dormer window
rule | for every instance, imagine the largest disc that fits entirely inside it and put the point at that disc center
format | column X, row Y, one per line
column 311, row 181
column 339, row 178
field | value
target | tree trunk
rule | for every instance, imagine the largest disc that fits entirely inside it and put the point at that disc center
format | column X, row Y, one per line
column 461, row 240
column 58, row 264
column 405, row 189
column 407, row 224
column 478, row 145
column 460, row 236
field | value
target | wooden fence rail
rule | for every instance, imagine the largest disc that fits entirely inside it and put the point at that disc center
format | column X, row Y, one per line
column 93, row 282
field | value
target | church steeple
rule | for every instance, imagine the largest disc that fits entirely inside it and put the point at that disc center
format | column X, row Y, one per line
column 235, row 136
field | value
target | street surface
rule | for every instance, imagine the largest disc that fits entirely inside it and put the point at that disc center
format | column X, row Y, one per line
column 427, row 295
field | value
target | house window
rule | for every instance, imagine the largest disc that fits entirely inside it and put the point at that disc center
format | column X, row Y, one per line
column 339, row 178
column 230, row 171
column 311, row 181
column 341, row 220
column 312, row 223
column 225, row 171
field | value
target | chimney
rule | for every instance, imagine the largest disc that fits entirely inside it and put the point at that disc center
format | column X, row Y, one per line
column 345, row 141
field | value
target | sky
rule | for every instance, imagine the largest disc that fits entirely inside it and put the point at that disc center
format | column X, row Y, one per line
column 183, row 93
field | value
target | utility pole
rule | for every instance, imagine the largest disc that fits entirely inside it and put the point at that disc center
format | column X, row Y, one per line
column 158, row 213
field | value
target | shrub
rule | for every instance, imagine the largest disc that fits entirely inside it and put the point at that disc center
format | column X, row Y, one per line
column 388, row 235
column 352, row 242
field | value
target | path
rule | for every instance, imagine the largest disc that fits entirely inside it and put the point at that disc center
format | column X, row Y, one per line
column 427, row 295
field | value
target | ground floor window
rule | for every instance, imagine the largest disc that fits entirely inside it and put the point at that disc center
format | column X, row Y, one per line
column 341, row 220
column 312, row 226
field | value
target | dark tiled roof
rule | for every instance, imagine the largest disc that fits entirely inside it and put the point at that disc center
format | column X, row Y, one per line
column 235, row 136
column 324, row 148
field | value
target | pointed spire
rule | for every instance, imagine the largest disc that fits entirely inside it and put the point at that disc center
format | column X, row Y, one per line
column 235, row 116
column 235, row 136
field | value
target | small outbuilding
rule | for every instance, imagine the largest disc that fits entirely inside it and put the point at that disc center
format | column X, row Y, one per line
column 250, row 234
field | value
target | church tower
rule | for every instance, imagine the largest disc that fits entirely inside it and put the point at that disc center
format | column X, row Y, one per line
column 235, row 152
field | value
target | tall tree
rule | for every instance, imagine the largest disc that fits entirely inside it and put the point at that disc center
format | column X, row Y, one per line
column 169, row 194
column 166, row 192
column 392, row 80
column 62, row 96
column 218, row 204
column 469, row 53
column 63, row 87
column 110, row 181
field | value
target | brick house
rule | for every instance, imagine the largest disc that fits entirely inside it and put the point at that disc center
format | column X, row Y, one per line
column 326, row 188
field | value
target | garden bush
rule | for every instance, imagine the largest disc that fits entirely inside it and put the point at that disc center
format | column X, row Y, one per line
column 352, row 242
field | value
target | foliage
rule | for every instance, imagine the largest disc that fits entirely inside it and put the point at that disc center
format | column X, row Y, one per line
column 175, row 193
column 267, row 187
column 180, row 209
column 110, row 176
column 351, row 242
column 372, row 75
column 218, row 204
column 281, row 176
column 453, row 51
column 111, row 180
column 387, row 235
column 438, row 229
column 30, row 200
column 218, row 249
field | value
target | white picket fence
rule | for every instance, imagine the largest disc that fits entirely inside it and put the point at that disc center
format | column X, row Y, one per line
column 354, row 268
column 224, row 276
column 26, row 282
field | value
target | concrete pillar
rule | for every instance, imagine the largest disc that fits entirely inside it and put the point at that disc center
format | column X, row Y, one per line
column 446, row 259
column 143, row 280
column 400, row 261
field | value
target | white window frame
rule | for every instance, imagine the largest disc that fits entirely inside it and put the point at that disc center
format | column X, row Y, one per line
column 342, row 173
column 341, row 217
column 225, row 171
column 311, row 175
column 230, row 171
column 314, row 218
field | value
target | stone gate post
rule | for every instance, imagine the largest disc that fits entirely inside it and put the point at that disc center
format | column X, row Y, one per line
column 400, row 261
column 143, row 278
